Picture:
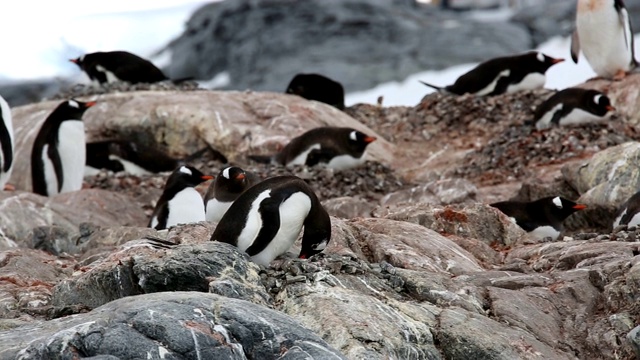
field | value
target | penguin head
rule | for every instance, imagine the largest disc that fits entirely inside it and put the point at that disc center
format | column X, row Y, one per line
column 541, row 62
column 559, row 207
column 232, row 178
column 78, row 61
column 186, row 176
column 72, row 109
column 597, row 102
column 358, row 141
column 317, row 232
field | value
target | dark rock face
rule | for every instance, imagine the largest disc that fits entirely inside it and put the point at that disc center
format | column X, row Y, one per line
column 263, row 44
column 180, row 325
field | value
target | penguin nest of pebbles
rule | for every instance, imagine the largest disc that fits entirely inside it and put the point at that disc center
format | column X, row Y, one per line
column 80, row 90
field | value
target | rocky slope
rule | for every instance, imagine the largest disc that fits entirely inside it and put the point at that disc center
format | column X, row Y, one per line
column 419, row 267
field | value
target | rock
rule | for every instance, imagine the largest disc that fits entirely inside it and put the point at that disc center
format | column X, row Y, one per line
column 546, row 18
column 169, row 325
column 634, row 339
column 330, row 38
column 180, row 123
column 441, row 192
column 21, row 93
column 20, row 212
column 27, row 278
column 348, row 207
column 478, row 221
column 609, row 178
column 622, row 93
column 143, row 267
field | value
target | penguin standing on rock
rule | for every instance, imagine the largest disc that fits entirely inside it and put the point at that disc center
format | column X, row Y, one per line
column 503, row 75
column 180, row 202
column 6, row 142
column 572, row 106
column 58, row 156
column 339, row 147
column 115, row 66
column 541, row 218
column 228, row 185
column 266, row 220
column 603, row 33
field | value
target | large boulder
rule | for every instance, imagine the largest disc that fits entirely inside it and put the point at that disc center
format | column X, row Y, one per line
column 180, row 123
column 262, row 44
column 176, row 325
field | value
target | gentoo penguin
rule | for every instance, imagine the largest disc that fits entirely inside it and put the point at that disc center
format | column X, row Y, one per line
column 339, row 147
column 266, row 219
column 135, row 158
column 504, row 74
column 603, row 32
column 541, row 218
column 228, row 185
column 180, row 202
column 319, row 88
column 572, row 106
column 6, row 142
column 59, row 154
column 629, row 212
column 114, row 66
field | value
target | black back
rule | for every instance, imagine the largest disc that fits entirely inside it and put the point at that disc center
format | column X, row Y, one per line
column 5, row 140
column 177, row 181
column 574, row 98
column 228, row 189
column 485, row 73
column 124, row 65
column 317, row 87
column 333, row 141
column 542, row 212
column 48, row 135
column 317, row 224
column 146, row 157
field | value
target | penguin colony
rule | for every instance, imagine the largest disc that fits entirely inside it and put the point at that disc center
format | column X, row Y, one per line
column 264, row 218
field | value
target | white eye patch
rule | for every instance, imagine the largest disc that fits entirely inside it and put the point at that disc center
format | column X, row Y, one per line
column 540, row 57
column 185, row 170
column 225, row 173
column 353, row 136
column 557, row 202
column 596, row 99
column 74, row 104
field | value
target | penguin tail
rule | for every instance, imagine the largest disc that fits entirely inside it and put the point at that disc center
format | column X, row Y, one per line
column 437, row 88
column 262, row 159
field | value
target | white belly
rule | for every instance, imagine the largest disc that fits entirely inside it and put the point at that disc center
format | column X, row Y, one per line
column 6, row 118
column 530, row 82
column 489, row 88
column 545, row 231
column 293, row 212
column 130, row 167
column 545, row 121
column 185, row 207
column 634, row 222
column 72, row 150
column 111, row 77
column 216, row 209
column 49, row 172
column 579, row 116
column 602, row 40
column 343, row 162
column 253, row 224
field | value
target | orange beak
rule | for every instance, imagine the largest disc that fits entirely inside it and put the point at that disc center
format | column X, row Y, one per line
column 370, row 139
column 610, row 108
column 207, row 177
column 90, row 103
column 555, row 61
column 75, row 61
column 240, row 176
column 579, row 206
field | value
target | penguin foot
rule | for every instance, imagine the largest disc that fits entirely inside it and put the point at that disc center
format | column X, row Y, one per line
column 9, row 187
column 620, row 75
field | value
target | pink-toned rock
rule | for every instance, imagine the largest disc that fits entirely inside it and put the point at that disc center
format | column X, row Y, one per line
column 235, row 123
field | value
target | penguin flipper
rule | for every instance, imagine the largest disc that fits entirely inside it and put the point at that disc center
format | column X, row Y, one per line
column 270, row 213
column 54, row 156
column 575, row 46
column 623, row 15
column 7, row 150
column 437, row 88
column 262, row 159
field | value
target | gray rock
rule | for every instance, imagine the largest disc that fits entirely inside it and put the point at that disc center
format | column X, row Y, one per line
column 21, row 93
column 440, row 192
column 179, row 325
column 348, row 207
column 330, row 37
column 139, row 267
column 633, row 337
column 546, row 18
